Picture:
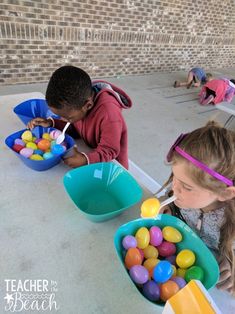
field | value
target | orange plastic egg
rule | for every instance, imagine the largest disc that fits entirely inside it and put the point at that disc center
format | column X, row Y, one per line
column 133, row 257
column 168, row 289
column 44, row 144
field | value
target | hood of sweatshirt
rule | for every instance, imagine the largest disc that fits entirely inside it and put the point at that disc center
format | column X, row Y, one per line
column 100, row 87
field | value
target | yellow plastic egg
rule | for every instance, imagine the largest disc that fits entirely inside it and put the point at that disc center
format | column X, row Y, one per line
column 171, row 234
column 46, row 136
column 151, row 262
column 31, row 145
column 150, row 207
column 174, row 270
column 143, row 237
column 36, row 157
column 27, row 136
column 150, row 251
column 185, row 258
column 180, row 272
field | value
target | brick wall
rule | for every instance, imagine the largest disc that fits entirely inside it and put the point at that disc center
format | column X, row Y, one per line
column 113, row 37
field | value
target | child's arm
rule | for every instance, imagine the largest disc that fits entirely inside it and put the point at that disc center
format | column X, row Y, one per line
column 46, row 123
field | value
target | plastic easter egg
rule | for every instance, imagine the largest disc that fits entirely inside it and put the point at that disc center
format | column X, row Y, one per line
column 132, row 257
column 54, row 134
column 129, row 241
column 180, row 281
column 31, row 145
column 17, row 148
column 150, row 208
column 139, row 274
column 156, row 237
column 57, row 149
column 48, row 155
column 174, row 270
column 162, row 271
column 185, row 258
column 166, row 248
column 171, row 259
column 142, row 236
column 194, row 272
column 26, row 152
column 46, row 136
column 38, row 152
column 168, row 289
column 27, row 136
column 19, row 141
column 151, row 290
column 150, row 263
column 37, row 140
column 150, row 251
column 44, row 144
column 141, row 254
column 36, row 157
column 180, row 272
column 171, row 234
column 34, row 139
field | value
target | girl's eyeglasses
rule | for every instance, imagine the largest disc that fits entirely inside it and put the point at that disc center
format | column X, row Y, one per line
column 196, row 162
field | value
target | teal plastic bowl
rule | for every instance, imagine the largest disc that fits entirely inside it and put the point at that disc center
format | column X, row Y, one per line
column 102, row 190
column 204, row 257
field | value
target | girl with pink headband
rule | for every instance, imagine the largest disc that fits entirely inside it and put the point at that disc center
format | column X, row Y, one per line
column 202, row 179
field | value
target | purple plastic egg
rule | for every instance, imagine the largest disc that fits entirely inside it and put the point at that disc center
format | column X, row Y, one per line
column 139, row 274
column 155, row 236
column 26, row 152
column 180, row 281
column 151, row 290
column 129, row 241
column 171, row 259
column 19, row 141
column 166, row 249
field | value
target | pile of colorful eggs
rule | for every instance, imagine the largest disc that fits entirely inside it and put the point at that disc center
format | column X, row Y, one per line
column 39, row 148
column 155, row 265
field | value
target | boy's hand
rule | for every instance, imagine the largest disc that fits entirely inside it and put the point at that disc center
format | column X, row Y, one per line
column 39, row 121
column 76, row 160
column 226, row 280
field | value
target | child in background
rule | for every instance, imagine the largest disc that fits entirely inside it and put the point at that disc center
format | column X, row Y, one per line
column 203, row 180
column 94, row 110
column 216, row 91
column 196, row 77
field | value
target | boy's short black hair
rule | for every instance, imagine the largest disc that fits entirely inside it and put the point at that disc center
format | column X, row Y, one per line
column 68, row 86
column 233, row 81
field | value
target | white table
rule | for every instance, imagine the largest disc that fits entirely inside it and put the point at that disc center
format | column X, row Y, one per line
column 228, row 108
column 43, row 236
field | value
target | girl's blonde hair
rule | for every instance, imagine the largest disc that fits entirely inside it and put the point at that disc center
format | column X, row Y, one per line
column 214, row 146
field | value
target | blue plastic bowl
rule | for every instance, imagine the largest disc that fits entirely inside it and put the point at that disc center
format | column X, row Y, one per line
column 33, row 108
column 38, row 165
column 204, row 257
column 102, row 190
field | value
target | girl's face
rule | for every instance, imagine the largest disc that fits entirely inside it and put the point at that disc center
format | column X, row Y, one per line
column 188, row 193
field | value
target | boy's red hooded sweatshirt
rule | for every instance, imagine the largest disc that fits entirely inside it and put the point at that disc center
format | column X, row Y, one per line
column 104, row 128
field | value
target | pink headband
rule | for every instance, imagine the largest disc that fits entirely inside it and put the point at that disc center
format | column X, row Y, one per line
column 196, row 162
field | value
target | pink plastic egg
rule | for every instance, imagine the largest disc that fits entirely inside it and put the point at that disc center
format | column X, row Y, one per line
column 26, row 152
column 166, row 248
column 155, row 236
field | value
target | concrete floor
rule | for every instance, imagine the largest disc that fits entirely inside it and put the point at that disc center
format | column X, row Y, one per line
column 159, row 114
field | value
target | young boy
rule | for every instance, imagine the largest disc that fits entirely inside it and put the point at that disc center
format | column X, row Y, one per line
column 94, row 110
column 196, row 77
